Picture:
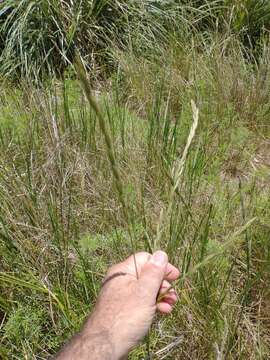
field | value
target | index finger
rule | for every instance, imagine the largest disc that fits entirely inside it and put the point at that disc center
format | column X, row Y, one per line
column 172, row 273
column 141, row 258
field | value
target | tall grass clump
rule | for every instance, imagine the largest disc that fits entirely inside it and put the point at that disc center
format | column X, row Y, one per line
column 40, row 38
column 168, row 150
column 70, row 153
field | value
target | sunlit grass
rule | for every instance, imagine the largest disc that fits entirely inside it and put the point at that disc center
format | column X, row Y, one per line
column 62, row 224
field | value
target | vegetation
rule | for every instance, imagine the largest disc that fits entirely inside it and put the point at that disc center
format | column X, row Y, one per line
column 199, row 192
column 39, row 38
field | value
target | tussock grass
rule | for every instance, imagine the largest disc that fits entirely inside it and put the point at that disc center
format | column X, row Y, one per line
column 67, row 153
column 40, row 39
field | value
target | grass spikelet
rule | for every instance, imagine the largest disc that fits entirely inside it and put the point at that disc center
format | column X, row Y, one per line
column 176, row 174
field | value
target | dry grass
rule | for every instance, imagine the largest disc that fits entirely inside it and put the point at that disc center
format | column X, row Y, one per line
column 61, row 222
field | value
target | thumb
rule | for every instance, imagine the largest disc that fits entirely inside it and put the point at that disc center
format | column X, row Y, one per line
column 152, row 274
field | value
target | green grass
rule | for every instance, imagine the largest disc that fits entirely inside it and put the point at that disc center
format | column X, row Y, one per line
column 39, row 39
column 61, row 205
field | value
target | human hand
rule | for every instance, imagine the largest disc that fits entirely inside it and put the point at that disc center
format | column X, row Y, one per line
column 125, row 308
column 126, row 305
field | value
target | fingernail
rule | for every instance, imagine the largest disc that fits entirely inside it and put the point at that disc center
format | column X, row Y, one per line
column 159, row 258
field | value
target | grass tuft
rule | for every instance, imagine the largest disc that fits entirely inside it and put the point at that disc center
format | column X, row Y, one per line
column 110, row 158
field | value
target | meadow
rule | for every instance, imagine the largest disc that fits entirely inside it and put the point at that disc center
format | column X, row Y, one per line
column 154, row 137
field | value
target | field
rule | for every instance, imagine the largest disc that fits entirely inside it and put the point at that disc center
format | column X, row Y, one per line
column 201, row 193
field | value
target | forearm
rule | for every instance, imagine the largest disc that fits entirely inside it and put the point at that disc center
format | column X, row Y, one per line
column 94, row 345
column 99, row 338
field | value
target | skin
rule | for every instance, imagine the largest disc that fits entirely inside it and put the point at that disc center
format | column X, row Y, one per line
column 125, row 308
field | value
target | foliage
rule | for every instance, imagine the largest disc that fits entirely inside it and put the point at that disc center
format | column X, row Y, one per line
column 38, row 38
column 85, row 183
column 62, row 225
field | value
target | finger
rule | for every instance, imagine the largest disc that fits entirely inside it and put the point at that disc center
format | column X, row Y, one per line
column 131, row 265
column 134, row 263
column 152, row 275
column 167, row 293
column 169, row 298
column 172, row 273
column 166, row 288
column 165, row 305
column 164, row 308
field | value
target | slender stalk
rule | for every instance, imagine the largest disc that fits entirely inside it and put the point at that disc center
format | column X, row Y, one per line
column 110, row 152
